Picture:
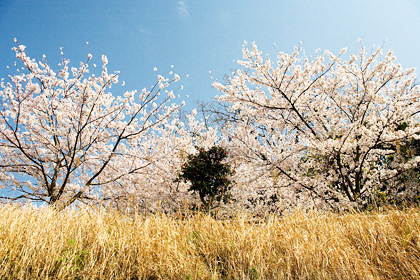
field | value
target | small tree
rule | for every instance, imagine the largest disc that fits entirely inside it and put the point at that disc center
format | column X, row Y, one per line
column 208, row 175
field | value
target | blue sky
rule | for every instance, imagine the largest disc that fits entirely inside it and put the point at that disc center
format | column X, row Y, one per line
column 197, row 36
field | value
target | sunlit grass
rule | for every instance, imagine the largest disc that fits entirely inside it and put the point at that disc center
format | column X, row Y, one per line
column 80, row 244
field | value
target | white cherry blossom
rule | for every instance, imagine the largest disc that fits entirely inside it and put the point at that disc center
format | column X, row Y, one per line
column 320, row 127
column 73, row 138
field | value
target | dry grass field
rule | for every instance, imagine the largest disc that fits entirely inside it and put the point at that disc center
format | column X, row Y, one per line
column 80, row 244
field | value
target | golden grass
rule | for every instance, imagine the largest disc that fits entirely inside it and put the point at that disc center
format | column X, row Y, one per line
column 78, row 244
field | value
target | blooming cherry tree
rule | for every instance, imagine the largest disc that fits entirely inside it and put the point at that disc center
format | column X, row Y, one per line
column 64, row 137
column 322, row 126
column 155, row 190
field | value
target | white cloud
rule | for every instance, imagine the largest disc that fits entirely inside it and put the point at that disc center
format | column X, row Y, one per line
column 182, row 9
column 143, row 30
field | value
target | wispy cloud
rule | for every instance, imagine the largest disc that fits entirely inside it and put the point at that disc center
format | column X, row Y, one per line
column 143, row 30
column 182, row 9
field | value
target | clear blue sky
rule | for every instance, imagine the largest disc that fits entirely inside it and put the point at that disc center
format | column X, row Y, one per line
column 197, row 36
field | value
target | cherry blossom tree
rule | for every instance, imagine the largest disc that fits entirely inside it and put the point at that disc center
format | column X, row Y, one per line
column 65, row 137
column 173, row 142
column 322, row 127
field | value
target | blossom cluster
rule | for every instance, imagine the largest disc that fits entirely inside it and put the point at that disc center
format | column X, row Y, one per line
column 320, row 128
column 300, row 131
